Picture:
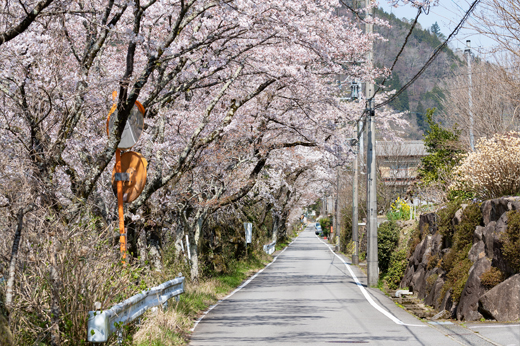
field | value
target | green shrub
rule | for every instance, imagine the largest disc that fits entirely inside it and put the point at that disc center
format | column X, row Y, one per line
column 458, row 277
column 399, row 210
column 511, row 240
column 325, row 224
column 443, row 149
column 460, row 195
column 456, row 262
column 346, row 226
column 415, row 239
column 444, row 220
column 387, row 241
column 491, row 277
column 462, row 236
column 396, row 269
column 430, row 281
column 433, row 261
column 471, row 218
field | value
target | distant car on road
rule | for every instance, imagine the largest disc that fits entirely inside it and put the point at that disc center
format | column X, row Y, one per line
column 318, row 229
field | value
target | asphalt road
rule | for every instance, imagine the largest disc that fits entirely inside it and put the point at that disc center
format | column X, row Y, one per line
column 309, row 296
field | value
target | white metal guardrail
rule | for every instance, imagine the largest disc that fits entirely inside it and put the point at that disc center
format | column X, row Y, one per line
column 101, row 324
column 269, row 248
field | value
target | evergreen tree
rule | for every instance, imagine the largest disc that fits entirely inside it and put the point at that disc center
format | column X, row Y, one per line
column 443, row 151
column 401, row 103
column 436, row 29
column 421, row 119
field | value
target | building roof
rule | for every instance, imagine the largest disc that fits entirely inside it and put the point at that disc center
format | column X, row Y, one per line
column 404, row 148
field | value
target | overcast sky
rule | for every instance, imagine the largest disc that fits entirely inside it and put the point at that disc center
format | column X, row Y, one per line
column 447, row 14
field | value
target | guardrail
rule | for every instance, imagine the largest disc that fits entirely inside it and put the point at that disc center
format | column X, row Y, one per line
column 269, row 248
column 101, row 324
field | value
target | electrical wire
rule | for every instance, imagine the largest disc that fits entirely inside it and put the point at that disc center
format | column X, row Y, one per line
column 419, row 11
column 431, row 59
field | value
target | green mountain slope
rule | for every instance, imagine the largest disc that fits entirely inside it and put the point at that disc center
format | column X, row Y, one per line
column 427, row 91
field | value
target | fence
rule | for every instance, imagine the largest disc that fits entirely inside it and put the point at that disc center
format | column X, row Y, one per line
column 101, row 324
column 269, row 248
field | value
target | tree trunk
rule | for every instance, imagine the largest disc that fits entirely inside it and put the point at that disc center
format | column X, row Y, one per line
column 154, row 252
column 14, row 255
column 282, row 222
column 276, row 220
column 194, row 242
column 6, row 337
column 142, row 246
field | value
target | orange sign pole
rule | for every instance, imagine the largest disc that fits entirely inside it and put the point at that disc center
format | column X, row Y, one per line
column 122, row 237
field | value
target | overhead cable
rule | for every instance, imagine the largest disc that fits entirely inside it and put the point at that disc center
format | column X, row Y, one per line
column 432, row 57
column 419, row 11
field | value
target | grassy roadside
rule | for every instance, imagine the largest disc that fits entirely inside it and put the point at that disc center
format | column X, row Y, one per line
column 171, row 327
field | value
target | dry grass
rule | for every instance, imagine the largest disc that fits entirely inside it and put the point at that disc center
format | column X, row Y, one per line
column 171, row 327
column 165, row 328
column 69, row 269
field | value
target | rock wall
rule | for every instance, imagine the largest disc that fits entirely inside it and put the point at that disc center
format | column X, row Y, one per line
column 425, row 277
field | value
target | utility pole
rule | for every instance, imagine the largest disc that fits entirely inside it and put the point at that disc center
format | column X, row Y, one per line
column 361, row 146
column 355, row 217
column 372, row 260
column 470, row 87
column 337, row 218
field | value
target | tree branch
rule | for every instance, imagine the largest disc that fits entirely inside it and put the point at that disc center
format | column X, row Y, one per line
column 24, row 24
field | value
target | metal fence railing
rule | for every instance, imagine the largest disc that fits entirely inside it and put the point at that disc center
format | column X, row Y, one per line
column 101, row 324
column 269, row 248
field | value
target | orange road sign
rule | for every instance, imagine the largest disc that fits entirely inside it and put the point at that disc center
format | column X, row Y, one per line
column 133, row 166
column 128, row 180
column 129, row 173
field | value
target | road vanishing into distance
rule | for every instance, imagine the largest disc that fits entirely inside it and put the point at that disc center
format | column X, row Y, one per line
column 309, row 295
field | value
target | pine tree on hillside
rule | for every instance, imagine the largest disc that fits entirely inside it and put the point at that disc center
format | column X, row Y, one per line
column 420, row 116
column 436, row 29
column 401, row 103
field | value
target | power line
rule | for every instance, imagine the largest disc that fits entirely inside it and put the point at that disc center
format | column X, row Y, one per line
column 402, row 47
column 457, row 4
column 432, row 57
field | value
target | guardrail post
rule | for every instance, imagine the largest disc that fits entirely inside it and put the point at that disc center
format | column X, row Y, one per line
column 120, row 336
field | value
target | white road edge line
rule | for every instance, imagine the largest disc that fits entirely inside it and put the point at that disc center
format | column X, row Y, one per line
column 244, row 284
column 498, row 326
column 367, row 295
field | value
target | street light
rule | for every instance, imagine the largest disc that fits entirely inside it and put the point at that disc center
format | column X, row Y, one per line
column 354, row 90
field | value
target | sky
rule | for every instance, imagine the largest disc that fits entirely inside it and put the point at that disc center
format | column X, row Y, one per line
column 447, row 14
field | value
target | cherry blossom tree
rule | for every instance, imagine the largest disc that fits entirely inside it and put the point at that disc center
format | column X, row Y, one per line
column 240, row 97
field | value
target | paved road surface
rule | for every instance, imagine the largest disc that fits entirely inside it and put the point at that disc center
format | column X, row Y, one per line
column 507, row 334
column 308, row 296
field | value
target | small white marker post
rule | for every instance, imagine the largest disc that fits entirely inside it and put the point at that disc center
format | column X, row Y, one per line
column 188, row 247
column 249, row 233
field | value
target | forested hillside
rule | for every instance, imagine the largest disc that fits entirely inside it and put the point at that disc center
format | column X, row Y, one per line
column 428, row 90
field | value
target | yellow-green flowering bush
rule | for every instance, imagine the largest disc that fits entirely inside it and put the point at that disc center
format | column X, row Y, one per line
column 399, row 209
column 493, row 169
